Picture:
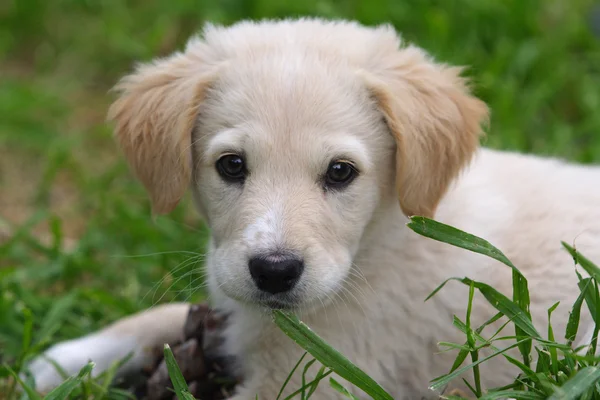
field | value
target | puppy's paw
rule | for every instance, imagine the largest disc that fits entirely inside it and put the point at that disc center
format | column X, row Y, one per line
column 73, row 355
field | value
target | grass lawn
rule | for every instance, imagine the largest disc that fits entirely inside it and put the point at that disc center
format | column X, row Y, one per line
column 78, row 247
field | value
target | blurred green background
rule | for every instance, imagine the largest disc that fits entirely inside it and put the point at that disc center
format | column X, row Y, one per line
column 78, row 247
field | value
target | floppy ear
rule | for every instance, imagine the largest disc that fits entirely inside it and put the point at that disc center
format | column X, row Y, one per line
column 155, row 115
column 435, row 121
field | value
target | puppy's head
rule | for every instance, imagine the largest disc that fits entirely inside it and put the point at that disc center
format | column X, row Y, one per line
column 291, row 134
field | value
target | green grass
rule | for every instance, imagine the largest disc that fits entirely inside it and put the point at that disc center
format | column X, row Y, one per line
column 80, row 248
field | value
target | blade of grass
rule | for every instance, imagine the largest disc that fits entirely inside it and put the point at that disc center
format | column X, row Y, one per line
column 55, row 316
column 582, row 261
column 304, row 372
column 543, row 362
column 287, row 380
column 61, row 392
column 27, row 334
column 177, row 379
column 120, row 394
column 586, row 286
column 503, row 304
column 25, row 348
column 455, row 237
column 552, row 350
column 327, row 355
column 454, row 346
column 108, row 376
column 512, row 394
column 594, row 303
column 443, row 380
column 341, row 389
column 469, row 386
column 577, row 385
column 490, row 321
column 462, row 356
column 60, row 370
column 440, row 287
column 527, row 370
column 589, row 394
column 28, row 389
column 574, row 316
column 308, row 385
column 464, row 349
column 472, row 344
column 521, row 299
column 318, row 378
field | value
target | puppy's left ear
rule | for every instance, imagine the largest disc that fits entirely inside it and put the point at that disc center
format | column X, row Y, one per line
column 434, row 119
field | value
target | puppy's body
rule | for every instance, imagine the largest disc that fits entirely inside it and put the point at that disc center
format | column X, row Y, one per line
column 291, row 99
column 383, row 325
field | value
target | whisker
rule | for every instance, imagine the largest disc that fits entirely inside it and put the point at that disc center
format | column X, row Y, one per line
column 158, row 254
column 184, row 264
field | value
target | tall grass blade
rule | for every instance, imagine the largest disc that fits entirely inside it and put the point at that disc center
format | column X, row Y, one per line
column 521, row 299
column 587, row 287
column 503, row 304
column 453, row 236
column 589, row 267
column 327, row 355
column 450, row 235
column 179, row 384
column 575, row 315
column 443, row 380
column 552, row 350
column 527, row 370
column 27, row 334
column 464, row 349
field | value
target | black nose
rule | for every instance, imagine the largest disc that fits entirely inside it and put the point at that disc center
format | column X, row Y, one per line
column 275, row 273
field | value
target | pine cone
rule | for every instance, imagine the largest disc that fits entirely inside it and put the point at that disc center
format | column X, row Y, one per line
column 206, row 372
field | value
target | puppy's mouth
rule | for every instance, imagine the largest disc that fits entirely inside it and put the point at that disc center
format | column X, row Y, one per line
column 277, row 302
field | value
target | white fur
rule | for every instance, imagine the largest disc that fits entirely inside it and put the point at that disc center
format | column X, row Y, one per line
column 103, row 349
column 292, row 96
column 137, row 335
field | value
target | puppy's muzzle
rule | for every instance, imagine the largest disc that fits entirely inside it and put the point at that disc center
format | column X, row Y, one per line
column 275, row 273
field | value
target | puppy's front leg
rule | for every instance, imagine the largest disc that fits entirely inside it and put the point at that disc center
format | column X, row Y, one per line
column 138, row 334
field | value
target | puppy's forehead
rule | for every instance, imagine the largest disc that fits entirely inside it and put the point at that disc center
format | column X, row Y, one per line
column 286, row 92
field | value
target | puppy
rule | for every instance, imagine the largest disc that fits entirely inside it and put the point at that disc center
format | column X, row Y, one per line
column 306, row 144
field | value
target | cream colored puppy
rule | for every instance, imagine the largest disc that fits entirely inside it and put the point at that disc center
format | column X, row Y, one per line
column 306, row 145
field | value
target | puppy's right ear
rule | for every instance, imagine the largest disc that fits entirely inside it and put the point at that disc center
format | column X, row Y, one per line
column 155, row 116
column 434, row 119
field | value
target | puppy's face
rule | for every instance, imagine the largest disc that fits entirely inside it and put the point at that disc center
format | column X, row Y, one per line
column 291, row 134
column 290, row 162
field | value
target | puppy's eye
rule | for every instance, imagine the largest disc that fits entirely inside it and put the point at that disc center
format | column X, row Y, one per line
column 340, row 174
column 231, row 167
